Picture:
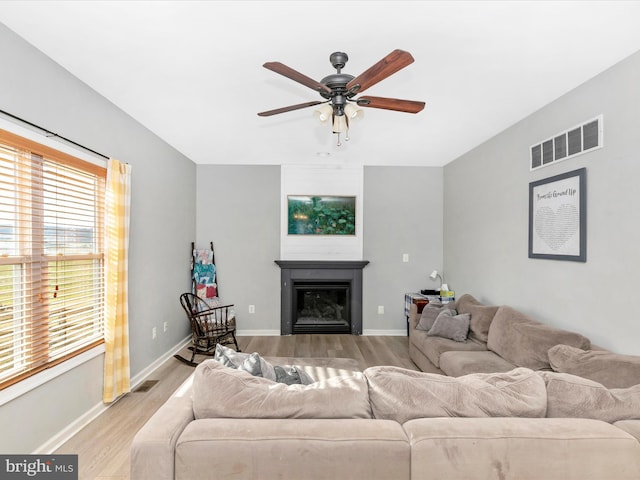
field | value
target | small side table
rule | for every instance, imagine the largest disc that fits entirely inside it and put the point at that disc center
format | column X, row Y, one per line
column 414, row 298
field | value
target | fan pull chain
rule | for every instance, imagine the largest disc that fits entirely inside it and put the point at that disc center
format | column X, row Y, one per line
column 346, row 138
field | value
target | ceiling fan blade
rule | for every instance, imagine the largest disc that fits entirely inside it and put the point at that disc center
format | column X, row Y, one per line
column 396, row 60
column 289, row 108
column 289, row 72
column 408, row 106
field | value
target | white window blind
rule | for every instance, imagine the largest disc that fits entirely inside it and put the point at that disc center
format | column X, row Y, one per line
column 51, row 257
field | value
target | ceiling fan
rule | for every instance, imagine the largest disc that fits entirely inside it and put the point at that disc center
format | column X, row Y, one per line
column 339, row 90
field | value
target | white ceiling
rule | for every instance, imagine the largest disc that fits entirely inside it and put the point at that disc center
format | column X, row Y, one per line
column 192, row 71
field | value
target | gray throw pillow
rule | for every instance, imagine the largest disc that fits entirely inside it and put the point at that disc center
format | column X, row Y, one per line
column 451, row 326
column 229, row 357
column 429, row 314
column 290, row 377
column 248, row 362
column 252, row 365
column 257, row 366
column 224, row 360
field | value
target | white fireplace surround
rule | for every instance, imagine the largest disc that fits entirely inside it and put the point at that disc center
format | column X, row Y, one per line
column 342, row 180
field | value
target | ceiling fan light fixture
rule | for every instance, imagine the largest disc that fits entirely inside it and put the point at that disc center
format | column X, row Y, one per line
column 339, row 89
column 324, row 113
column 353, row 112
column 340, row 124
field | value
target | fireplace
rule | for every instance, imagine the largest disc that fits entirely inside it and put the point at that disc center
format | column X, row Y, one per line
column 321, row 307
column 321, row 296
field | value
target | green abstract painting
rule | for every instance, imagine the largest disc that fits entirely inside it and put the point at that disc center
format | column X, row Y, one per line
column 321, row 215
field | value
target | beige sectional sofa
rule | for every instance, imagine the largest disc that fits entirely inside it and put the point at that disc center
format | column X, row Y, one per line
column 390, row 423
column 500, row 338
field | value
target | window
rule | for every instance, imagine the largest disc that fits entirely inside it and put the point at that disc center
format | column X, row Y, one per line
column 51, row 257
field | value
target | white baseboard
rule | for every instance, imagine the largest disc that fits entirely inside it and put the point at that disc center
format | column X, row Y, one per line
column 144, row 374
column 276, row 333
column 384, row 333
column 258, row 333
column 70, row 430
column 73, row 428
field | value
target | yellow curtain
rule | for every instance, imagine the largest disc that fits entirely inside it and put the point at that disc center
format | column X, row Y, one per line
column 116, row 364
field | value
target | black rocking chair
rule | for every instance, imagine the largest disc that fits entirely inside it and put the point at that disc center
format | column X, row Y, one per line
column 209, row 326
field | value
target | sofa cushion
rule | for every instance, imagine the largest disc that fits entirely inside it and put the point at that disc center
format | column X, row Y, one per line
column 570, row 396
column 221, row 392
column 610, row 369
column 402, row 395
column 312, row 449
column 449, row 325
column 430, row 312
column 481, row 316
column 456, row 364
column 433, row 347
column 521, row 449
column 523, row 341
column 632, row 427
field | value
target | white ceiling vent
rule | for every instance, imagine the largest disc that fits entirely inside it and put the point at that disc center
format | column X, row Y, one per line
column 580, row 139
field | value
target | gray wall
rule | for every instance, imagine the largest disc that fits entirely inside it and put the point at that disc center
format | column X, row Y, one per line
column 162, row 226
column 239, row 210
column 402, row 214
column 486, row 216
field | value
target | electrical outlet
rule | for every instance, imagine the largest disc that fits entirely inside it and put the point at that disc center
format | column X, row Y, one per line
column 252, row 309
column 380, row 309
column 166, row 326
column 153, row 333
column 405, row 257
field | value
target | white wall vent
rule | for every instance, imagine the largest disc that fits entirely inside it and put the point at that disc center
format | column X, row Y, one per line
column 575, row 141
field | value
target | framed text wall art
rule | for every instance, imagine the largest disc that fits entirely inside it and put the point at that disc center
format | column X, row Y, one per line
column 558, row 216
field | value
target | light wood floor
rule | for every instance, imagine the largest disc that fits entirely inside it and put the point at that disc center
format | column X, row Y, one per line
column 103, row 445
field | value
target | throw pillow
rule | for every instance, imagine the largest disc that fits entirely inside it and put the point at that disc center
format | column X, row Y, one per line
column 229, row 357
column 252, row 365
column 452, row 326
column 610, row 369
column 402, row 395
column 257, row 366
column 288, row 377
column 245, row 361
column 221, row 392
column 570, row 396
column 429, row 314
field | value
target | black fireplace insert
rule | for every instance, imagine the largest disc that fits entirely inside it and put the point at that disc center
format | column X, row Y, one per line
column 321, row 296
column 321, row 307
